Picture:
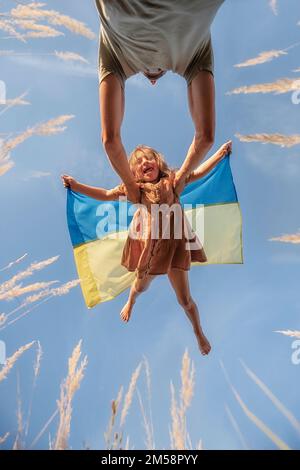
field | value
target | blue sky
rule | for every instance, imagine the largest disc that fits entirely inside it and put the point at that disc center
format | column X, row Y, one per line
column 240, row 305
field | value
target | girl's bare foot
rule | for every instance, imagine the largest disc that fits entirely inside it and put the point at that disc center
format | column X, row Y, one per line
column 203, row 343
column 126, row 311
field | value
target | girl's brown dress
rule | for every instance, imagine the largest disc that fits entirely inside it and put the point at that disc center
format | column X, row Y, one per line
column 148, row 255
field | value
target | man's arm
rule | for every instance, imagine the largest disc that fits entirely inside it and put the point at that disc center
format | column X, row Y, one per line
column 112, row 105
column 201, row 99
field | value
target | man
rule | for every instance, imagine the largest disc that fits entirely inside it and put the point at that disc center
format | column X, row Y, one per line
column 153, row 37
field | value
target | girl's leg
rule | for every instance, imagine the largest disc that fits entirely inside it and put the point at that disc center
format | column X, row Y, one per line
column 138, row 286
column 180, row 283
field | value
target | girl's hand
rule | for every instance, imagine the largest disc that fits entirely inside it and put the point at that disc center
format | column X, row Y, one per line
column 225, row 148
column 68, row 181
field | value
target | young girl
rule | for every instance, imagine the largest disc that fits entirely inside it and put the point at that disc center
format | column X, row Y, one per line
column 166, row 253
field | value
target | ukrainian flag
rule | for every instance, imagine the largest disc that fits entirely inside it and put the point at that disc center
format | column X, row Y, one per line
column 98, row 231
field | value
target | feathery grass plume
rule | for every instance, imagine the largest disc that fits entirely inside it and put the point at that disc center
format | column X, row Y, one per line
column 10, row 103
column 37, row 364
column 273, row 5
column 3, row 438
column 279, row 405
column 287, row 238
column 35, row 266
column 37, row 30
column 236, row 427
column 148, row 381
column 10, row 361
column 114, row 410
column 6, row 167
column 46, row 294
column 7, row 26
column 265, row 56
column 199, row 445
column 51, row 127
column 129, row 395
column 118, row 435
column 291, row 333
column 66, row 55
column 275, row 139
column 35, row 11
column 258, row 422
column 19, row 444
column 283, row 85
column 68, row 388
column 177, row 438
column 18, row 290
column 178, row 412
column 36, row 370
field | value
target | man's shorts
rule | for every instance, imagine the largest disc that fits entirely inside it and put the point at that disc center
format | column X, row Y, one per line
column 109, row 63
column 203, row 60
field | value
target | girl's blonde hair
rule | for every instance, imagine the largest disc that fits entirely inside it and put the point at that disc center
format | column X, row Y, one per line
column 160, row 160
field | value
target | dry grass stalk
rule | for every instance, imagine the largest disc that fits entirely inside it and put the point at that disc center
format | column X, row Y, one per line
column 17, row 291
column 68, row 388
column 3, row 438
column 279, row 405
column 236, row 427
column 114, row 411
column 258, row 422
column 178, row 412
column 36, row 266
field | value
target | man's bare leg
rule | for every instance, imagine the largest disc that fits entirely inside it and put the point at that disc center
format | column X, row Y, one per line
column 138, row 286
column 112, row 106
column 201, row 99
column 180, row 284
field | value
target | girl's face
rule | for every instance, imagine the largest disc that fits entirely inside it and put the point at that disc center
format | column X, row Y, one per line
column 146, row 167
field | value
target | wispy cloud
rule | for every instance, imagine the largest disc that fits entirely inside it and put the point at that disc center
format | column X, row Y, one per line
column 275, row 139
column 283, row 85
